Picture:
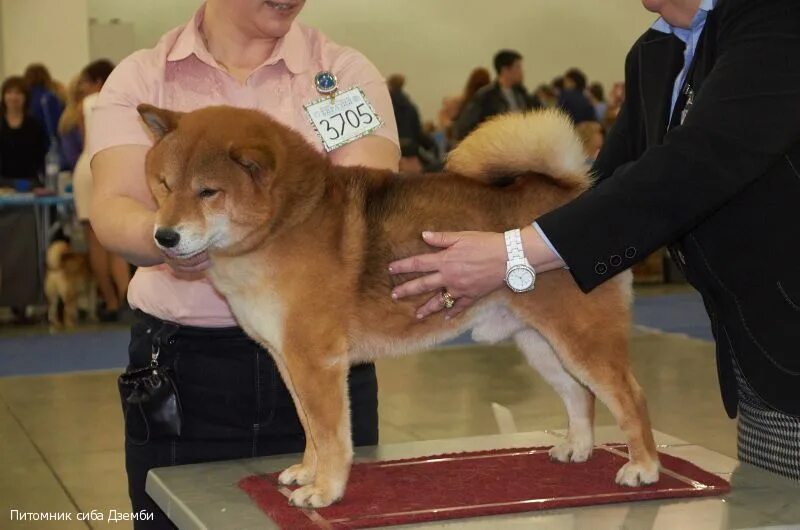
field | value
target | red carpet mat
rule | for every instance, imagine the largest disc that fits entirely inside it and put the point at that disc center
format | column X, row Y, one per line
column 477, row 484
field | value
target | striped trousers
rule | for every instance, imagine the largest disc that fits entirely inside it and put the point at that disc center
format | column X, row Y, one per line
column 767, row 438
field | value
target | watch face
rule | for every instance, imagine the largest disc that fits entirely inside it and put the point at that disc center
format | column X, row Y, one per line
column 520, row 278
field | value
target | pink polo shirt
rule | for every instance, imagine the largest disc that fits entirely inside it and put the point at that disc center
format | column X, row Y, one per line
column 180, row 74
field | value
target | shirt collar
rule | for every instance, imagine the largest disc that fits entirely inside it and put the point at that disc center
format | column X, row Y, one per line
column 292, row 48
column 699, row 20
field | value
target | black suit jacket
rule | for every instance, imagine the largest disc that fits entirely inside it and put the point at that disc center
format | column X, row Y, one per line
column 487, row 102
column 722, row 189
column 577, row 106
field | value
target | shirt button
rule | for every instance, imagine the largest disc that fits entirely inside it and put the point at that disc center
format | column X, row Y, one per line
column 601, row 268
column 630, row 252
column 615, row 261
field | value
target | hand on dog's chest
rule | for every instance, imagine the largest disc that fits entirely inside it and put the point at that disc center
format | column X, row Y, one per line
column 342, row 118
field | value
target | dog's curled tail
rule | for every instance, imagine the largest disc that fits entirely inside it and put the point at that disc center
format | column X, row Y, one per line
column 515, row 144
column 56, row 253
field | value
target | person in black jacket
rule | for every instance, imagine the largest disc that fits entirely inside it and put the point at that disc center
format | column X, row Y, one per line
column 22, row 139
column 573, row 99
column 413, row 139
column 506, row 94
column 704, row 158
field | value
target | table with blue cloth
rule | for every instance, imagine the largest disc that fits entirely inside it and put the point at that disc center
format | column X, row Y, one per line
column 26, row 228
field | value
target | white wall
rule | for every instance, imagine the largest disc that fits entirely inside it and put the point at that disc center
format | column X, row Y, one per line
column 2, row 58
column 436, row 43
column 151, row 18
column 111, row 40
column 53, row 32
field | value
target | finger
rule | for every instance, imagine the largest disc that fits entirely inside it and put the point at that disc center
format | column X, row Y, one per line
column 419, row 263
column 425, row 284
column 434, row 305
column 441, row 239
column 461, row 305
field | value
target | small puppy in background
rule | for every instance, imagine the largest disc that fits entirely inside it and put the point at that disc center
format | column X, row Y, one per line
column 68, row 279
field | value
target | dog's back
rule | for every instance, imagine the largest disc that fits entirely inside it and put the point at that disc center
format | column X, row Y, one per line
column 507, row 173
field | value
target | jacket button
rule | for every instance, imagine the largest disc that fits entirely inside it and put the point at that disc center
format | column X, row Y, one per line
column 601, row 268
column 615, row 261
column 630, row 252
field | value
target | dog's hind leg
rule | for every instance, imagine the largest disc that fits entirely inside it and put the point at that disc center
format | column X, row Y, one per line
column 91, row 300
column 589, row 333
column 496, row 322
column 578, row 400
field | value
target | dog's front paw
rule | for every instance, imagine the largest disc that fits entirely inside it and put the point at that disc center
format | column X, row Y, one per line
column 571, row 452
column 299, row 474
column 637, row 474
column 315, row 496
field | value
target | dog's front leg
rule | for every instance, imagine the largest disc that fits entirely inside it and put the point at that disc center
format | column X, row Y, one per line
column 303, row 473
column 70, row 309
column 318, row 380
column 52, row 312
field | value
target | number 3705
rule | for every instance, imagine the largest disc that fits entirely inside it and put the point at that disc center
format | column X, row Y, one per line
column 338, row 123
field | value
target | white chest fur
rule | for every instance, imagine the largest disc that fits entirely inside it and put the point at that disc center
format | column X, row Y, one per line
column 253, row 299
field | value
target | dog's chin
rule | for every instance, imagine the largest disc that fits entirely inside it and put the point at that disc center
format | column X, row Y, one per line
column 183, row 255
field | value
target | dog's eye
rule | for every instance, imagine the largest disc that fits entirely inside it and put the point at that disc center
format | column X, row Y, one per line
column 205, row 193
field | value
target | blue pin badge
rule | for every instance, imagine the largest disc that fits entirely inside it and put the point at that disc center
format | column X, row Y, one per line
column 326, row 83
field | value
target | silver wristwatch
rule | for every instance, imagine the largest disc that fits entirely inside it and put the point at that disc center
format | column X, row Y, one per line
column 520, row 276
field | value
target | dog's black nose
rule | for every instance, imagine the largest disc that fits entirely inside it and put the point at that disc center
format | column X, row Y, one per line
column 167, row 237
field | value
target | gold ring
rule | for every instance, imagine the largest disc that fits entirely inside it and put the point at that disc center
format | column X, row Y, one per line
column 447, row 299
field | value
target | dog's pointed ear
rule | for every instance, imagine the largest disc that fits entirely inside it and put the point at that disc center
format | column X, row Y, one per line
column 257, row 161
column 160, row 121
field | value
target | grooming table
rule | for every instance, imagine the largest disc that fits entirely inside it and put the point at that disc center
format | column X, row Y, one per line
column 208, row 495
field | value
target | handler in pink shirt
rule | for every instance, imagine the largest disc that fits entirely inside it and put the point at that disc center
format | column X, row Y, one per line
column 245, row 53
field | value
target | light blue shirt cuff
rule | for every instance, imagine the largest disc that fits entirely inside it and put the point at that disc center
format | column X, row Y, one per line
column 547, row 242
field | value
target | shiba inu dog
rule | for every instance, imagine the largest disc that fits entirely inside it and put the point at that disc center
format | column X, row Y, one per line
column 300, row 249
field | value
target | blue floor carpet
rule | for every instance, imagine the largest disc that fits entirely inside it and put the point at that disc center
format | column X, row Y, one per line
column 65, row 352
column 107, row 349
column 675, row 313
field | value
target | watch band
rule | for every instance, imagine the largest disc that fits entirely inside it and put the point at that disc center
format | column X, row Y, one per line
column 514, row 245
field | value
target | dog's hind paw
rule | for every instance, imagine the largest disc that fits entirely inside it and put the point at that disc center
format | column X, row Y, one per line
column 637, row 474
column 571, row 452
column 314, row 496
column 297, row 474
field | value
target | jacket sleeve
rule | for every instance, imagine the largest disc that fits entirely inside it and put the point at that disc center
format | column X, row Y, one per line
column 744, row 118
